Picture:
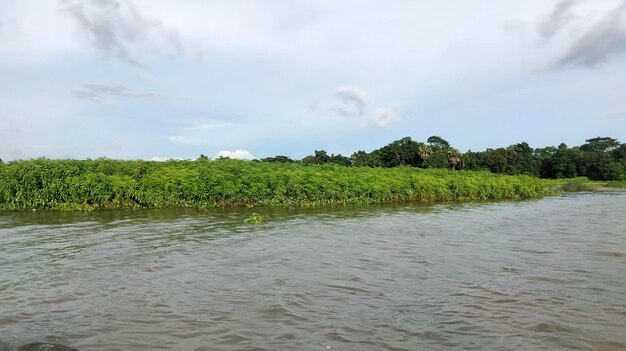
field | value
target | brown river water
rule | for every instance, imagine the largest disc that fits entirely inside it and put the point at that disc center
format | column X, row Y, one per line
column 545, row 274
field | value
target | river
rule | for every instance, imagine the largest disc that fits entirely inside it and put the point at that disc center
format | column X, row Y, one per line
column 546, row 274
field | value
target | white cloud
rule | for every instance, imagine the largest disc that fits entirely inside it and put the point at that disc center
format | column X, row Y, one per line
column 384, row 117
column 351, row 94
column 360, row 100
column 237, row 154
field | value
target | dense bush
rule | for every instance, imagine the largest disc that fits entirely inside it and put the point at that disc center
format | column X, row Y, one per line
column 104, row 183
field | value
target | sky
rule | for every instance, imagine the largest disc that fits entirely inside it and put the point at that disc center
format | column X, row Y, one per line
column 157, row 79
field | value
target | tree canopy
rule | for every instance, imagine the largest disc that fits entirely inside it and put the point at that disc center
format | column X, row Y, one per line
column 600, row 158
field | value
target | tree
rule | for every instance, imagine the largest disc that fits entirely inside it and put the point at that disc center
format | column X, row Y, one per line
column 339, row 159
column 454, row 157
column 425, row 152
column 600, row 166
column 562, row 163
column 438, row 158
column 495, row 160
column 360, row 159
column 438, row 142
column 322, row 156
column 311, row 160
column 619, row 153
column 402, row 152
column 278, row 158
column 363, row 159
column 522, row 160
column 600, row 144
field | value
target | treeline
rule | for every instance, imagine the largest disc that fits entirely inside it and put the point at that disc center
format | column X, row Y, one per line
column 109, row 184
column 600, row 158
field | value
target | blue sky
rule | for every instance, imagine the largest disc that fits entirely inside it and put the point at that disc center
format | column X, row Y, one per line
column 143, row 79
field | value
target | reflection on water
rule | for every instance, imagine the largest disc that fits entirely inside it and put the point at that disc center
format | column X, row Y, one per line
column 534, row 275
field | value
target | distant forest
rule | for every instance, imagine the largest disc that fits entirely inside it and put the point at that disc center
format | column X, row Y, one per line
column 600, row 158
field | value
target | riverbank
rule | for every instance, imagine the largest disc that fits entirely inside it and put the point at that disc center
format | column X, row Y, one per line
column 115, row 184
column 582, row 184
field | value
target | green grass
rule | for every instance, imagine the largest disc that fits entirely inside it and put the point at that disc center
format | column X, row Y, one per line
column 113, row 184
column 581, row 184
column 618, row 184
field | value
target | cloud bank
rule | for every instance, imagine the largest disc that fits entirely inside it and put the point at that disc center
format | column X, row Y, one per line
column 598, row 41
column 603, row 40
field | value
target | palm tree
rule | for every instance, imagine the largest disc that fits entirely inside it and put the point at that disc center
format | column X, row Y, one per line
column 454, row 157
column 425, row 152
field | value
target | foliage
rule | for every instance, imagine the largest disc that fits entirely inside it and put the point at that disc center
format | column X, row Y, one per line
column 577, row 184
column 581, row 184
column 106, row 184
column 600, row 158
column 321, row 156
column 278, row 158
column 403, row 170
column 255, row 218
column 600, row 144
column 437, row 142
column 620, row 184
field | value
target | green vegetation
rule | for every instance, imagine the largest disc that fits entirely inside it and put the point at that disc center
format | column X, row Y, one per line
column 618, row 184
column 572, row 184
column 255, row 218
column 107, row 184
column 581, row 184
column 600, row 158
column 404, row 170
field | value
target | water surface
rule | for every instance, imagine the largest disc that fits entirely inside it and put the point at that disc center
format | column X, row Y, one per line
column 534, row 275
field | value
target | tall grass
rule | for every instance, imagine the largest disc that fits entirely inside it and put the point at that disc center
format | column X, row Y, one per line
column 108, row 184
column 581, row 184
column 619, row 184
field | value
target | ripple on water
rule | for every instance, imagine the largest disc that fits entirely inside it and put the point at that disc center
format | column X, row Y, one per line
column 536, row 275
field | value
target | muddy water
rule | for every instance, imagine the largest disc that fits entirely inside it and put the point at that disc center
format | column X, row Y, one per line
column 546, row 274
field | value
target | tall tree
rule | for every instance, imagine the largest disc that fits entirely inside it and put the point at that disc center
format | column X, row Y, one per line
column 425, row 152
column 600, row 144
column 438, row 142
column 322, row 156
column 278, row 158
column 454, row 157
